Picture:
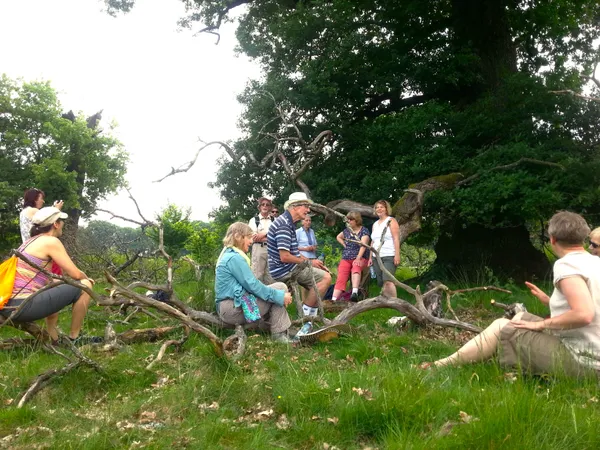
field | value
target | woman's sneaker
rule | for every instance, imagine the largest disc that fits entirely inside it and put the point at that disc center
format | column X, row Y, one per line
column 83, row 339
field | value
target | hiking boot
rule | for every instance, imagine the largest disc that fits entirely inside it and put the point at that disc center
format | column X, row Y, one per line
column 281, row 338
column 354, row 297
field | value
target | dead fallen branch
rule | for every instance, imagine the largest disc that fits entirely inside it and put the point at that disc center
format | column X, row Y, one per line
column 177, row 343
column 235, row 345
column 119, row 289
column 42, row 381
column 45, row 378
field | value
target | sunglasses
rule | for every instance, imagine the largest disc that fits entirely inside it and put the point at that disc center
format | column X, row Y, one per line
column 594, row 245
column 350, row 218
column 299, row 205
column 265, row 204
column 274, row 211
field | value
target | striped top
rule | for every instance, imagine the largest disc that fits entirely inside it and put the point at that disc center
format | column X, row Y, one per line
column 281, row 236
column 28, row 279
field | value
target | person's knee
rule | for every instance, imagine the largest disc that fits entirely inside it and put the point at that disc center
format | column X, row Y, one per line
column 84, row 296
column 501, row 323
column 87, row 283
column 519, row 315
column 279, row 286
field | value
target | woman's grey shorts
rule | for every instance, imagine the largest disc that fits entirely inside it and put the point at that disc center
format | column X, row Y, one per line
column 388, row 263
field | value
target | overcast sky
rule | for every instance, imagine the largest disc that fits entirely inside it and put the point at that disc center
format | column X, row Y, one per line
column 163, row 87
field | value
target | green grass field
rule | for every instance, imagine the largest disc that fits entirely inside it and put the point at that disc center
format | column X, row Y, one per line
column 357, row 392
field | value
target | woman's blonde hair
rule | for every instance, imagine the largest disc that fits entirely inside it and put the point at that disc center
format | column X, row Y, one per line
column 385, row 203
column 235, row 233
column 595, row 234
column 356, row 216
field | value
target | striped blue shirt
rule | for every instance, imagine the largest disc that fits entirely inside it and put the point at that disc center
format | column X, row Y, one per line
column 281, row 236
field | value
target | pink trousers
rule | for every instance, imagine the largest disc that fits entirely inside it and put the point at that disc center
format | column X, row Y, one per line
column 345, row 268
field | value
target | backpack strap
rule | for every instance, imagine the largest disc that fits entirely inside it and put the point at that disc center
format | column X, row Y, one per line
column 387, row 225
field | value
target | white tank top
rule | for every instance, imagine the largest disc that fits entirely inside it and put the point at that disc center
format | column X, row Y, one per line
column 387, row 249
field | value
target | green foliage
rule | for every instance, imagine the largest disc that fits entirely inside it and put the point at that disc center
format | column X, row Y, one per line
column 177, row 229
column 40, row 147
column 206, row 242
column 415, row 89
column 203, row 241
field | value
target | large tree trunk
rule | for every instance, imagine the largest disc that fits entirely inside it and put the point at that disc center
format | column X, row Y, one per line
column 483, row 26
column 77, row 164
column 508, row 252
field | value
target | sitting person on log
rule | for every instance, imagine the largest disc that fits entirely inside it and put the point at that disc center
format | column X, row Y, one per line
column 285, row 259
column 569, row 341
column 240, row 297
column 43, row 248
column 354, row 257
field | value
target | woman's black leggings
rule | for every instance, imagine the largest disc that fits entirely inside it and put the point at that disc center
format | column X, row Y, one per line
column 43, row 304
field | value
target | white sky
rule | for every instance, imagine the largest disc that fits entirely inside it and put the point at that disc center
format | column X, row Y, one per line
column 164, row 87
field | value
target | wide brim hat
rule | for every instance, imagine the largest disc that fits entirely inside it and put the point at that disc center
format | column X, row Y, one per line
column 47, row 216
column 297, row 197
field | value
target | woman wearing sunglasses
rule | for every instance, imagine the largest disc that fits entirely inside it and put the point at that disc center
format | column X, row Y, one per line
column 594, row 247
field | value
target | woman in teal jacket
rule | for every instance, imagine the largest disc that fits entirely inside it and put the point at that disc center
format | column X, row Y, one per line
column 240, row 297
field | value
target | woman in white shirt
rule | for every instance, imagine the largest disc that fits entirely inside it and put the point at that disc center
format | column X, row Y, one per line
column 568, row 341
column 33, row 200
column 385, row 238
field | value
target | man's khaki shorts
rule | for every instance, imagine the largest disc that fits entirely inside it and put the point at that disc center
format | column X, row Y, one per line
column 304, row 277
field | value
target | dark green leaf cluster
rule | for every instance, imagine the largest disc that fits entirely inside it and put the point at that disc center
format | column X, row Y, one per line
column 415, row 89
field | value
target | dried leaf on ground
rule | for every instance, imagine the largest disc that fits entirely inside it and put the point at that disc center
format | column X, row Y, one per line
column 282, row 423
column 363, row 393
column 466, row 418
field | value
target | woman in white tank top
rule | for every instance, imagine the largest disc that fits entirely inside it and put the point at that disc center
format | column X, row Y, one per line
column 385, row 238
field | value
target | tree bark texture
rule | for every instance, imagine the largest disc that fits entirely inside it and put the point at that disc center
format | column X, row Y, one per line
column 508, row 252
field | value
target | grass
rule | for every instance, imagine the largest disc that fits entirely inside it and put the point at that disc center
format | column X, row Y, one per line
column 356, row 392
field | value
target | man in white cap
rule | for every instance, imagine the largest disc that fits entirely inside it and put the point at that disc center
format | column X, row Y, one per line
column 284, row 257
column 260, row 226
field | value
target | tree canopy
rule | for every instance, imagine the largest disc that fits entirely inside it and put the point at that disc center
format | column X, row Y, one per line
column 66, row 156
column 413, row 89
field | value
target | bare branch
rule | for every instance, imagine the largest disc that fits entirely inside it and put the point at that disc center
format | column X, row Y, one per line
column 187, row 166
column 511, row 166
column 576, row 94
column 116, row 216
column 175, row 342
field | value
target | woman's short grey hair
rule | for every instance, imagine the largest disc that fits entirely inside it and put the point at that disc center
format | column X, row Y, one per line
column 235, row 233
column 568, row 228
